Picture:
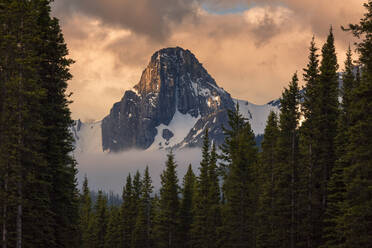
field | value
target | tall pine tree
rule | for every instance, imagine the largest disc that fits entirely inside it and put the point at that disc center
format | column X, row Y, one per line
column 266, row 233
column 287, row 183
column 168, row 216
column 357, row 212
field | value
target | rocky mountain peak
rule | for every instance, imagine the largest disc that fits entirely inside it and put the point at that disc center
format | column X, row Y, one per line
column 173, row 84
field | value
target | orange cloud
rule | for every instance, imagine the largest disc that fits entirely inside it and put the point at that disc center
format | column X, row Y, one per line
column 251, row 53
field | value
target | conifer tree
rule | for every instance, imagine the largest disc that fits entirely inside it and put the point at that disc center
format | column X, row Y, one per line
column 201, row 207
column 240, row 155
column 128, row 212
column 22, row 163
column 357, row 214
column 214, row 209
column 309, row 147
column 287, row 183
column 334, row 232
column 144, row 220
column 100, row 221
column 168, row 215
column 186, row 208
column 266, row 233
column 85, row 213
column 113, row 234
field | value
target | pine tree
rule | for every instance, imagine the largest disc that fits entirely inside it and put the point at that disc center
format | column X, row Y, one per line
column 100, row 221
column 113, row 233
column 357, row 214
column 201, row 207
column 334, row 232
column 58, row 143
column 214, row 210
column 85, row 213
column 286, row 182
column 23, row 166
column 318, row 136
column 266, row 233
column 168, row 215
column 128, row 213
column 144, row 221
column 309, row 148
column 240, row 155
column 186, row 208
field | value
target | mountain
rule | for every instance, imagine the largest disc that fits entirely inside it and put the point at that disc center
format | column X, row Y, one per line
column 175, row 100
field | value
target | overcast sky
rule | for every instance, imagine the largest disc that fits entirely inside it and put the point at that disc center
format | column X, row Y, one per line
column 250, row 47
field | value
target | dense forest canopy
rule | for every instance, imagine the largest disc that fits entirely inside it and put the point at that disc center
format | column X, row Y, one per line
column 309, row 186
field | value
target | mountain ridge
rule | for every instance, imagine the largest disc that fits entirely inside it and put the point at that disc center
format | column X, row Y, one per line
column 175, row 100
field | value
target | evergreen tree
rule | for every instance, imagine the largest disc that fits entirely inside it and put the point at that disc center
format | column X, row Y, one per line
column 144, row 220
column 113, row 234
column 357, row 214
column 286, row 182
column 309, row 148
column 334, row 231
column 186, row 208
column 128, row 213
column 168, row 215
column 240, row 155
column 85, row 214
column 318, row 136
column 200, row 237
column 214, row 195
column 25, row 209
column 100, row 221
column 266, row 233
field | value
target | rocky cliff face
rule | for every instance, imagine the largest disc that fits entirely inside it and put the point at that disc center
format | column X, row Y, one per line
column 174, row 101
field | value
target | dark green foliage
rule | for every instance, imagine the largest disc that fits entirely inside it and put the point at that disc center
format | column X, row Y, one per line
column 128, row 213
column 240, row 155
column 100, row 221
column 85, row 214
column 186, row 208
column 267, row 229
column 39, row 188
column 214, row 220
column 317, row 140
column 167, row 219
column 334, row 231
column 113, row 234
column 201, row 207
column 286, row 172
column 144, row 221
column 357, row 211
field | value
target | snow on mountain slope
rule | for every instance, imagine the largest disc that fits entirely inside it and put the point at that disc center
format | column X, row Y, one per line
column 256, row 114
column 173, row 133
column 88, row 137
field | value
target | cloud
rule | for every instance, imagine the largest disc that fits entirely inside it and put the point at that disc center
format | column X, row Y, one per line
column 251, row 52
column 147, row 17
column 109, row 171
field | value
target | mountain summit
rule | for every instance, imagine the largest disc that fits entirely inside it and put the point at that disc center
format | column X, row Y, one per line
column 174, row 87
column 174, row 102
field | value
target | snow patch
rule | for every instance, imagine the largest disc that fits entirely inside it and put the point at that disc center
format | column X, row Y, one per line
column 180, row 126
column 90, row 138
column 256, row 114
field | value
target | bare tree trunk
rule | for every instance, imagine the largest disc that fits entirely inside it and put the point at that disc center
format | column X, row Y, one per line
column 310, row 196
column 20, row 143
column 293, row 192
column 19, row 216
column 5, row 214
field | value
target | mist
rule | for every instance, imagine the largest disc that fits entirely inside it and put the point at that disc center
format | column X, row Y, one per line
column 108, row 172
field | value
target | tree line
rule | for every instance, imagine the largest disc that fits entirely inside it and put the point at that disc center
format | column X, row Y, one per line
column 38, row 195
column 310, row 186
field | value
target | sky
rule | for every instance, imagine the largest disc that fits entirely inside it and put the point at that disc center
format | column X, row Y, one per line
column 251, row 48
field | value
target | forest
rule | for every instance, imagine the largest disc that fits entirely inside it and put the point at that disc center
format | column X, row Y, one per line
column 309, row 185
